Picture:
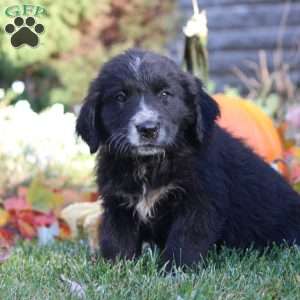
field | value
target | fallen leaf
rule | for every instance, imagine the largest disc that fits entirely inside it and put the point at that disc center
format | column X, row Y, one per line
column 57, row 199
column 75, row 214
column 64, row 230
column 75, row 288
column 5, row 252
column 41, row 219
column 91, row 196
column 42, row 198
column 4, row 217
column 91, row 226
column 16, row 204
column 6, row 243
column 6, row 236
column 27, row 230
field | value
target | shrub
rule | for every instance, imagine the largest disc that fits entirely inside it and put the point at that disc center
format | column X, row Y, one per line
column 79, row 36
column 42, row 143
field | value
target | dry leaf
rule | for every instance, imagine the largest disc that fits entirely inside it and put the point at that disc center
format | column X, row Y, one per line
column 75, row 214
column 5, row 249
column 42, row 198
column 64, row 230
column 74, row 287
column 91, row 226
column 16, row 204
column 27, row 230
column 4, row 217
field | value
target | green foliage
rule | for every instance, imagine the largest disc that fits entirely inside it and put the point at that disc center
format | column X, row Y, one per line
column 79, row 36
column 268, row 103
column 62, row 17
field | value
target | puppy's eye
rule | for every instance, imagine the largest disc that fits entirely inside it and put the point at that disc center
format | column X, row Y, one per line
column 164, row 94
column 121, row 97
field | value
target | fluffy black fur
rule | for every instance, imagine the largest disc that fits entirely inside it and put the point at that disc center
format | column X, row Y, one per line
column 223, row 192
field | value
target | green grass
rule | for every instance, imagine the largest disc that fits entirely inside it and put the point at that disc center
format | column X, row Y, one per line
column 33, row 272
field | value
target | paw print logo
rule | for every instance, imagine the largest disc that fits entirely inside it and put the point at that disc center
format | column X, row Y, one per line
column 24, row 33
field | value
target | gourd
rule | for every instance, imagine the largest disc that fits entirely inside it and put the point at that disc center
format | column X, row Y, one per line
column 245, row 120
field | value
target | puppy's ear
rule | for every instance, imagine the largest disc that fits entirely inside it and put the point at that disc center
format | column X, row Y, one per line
column 86, row 126
column 207, row 109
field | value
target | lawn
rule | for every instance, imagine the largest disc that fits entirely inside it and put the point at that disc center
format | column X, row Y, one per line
column 34, row 272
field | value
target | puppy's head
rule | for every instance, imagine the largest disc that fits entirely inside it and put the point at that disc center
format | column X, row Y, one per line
column 141, row 103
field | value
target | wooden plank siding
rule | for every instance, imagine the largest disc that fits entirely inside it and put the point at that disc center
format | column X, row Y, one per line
column 238, row 29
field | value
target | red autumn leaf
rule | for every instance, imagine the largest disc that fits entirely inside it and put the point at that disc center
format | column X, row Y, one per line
column 28, row 221
column 35, row 218
column 16, row 204
column 24, row 222
column 5, row 253
column 43, row 219
column 94, row 196
column 27, row 230
column 26, row 215
column 7, row 237
column 6, row 242
column 64, row 230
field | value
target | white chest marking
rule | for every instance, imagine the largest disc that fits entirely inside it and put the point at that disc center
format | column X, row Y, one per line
column 148, row 199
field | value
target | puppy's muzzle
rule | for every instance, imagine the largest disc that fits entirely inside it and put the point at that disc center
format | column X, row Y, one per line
column 148, row 130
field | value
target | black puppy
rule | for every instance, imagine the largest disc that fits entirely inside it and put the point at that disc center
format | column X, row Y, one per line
column 169, row 175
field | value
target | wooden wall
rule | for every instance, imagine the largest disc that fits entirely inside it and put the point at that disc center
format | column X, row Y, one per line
column 238, row 29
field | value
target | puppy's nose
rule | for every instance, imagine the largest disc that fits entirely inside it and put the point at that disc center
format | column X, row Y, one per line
column 148, row 130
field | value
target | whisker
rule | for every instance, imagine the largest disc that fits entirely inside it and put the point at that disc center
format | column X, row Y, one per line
column 117, row 142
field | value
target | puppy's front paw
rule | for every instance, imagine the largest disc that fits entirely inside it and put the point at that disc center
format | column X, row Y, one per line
column 108, row 250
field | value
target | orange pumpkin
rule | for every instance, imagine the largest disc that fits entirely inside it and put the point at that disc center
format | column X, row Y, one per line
column 247, row 121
